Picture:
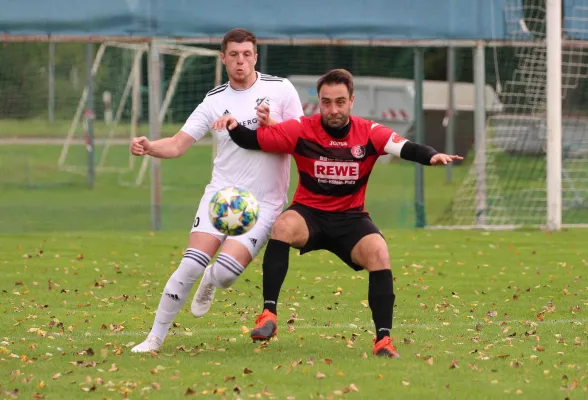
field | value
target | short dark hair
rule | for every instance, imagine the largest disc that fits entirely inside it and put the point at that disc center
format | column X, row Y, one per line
column 336, row 76
column 238, row 35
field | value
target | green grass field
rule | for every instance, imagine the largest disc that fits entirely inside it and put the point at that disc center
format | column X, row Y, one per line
column 41, row 128
column 478, row 315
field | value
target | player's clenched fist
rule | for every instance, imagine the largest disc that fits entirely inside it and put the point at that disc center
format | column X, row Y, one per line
column 140, row 146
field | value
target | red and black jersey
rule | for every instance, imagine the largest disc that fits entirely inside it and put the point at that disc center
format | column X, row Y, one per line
column 333, row 173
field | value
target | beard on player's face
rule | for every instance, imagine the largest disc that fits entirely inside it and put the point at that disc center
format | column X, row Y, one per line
column 336, row 120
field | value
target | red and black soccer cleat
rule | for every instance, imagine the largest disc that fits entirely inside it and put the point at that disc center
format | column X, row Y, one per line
column 385, row 348
column 266, row 326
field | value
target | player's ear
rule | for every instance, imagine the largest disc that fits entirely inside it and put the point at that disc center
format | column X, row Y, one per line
column 222, row 54
column 351, row 100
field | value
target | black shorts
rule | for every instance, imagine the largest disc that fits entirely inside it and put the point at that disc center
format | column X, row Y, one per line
column 337, row 232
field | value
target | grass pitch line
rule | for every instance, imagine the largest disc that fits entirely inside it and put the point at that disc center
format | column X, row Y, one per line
column 194, row 332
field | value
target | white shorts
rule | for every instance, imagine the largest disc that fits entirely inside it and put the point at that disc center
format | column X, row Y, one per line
column 254, row 240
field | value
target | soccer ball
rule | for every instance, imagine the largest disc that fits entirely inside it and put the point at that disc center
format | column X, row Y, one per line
column 233, row 211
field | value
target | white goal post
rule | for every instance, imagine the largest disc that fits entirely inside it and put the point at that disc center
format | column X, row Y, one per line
column 183, row 52
column 127, row 59
column 132, row 82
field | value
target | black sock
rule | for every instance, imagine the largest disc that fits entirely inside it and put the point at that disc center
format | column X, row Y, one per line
column 275, row 268
column 381, row 300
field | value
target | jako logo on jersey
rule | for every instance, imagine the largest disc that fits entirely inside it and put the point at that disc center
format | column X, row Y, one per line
column 334, row 143
column 396, row 138
column 345, row 171
column 358, row 151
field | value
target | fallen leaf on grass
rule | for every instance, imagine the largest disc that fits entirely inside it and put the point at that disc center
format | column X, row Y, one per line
column 351, row 388
column 453, row 364
column 247, row 371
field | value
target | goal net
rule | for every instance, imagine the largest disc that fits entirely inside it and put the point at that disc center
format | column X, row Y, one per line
column 514, row 165
column 120, row 112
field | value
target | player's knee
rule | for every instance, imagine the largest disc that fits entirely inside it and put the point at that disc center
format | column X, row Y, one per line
column 191, row 267
column 371, row 253
column 225, row 271
column 284, row 230
column 379, row 258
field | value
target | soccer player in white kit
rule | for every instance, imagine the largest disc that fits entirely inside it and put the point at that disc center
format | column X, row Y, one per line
column 253, row 99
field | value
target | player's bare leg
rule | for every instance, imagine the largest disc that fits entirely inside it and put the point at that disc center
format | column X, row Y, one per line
column 371, row 252
column 229, row 265
column 289, row 229
column 201, row 248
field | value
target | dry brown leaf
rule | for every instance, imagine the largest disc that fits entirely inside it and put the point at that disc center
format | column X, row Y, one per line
column 247, row 371
column 319, row 375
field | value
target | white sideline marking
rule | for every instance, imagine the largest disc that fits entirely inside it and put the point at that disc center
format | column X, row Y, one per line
column 357, row 327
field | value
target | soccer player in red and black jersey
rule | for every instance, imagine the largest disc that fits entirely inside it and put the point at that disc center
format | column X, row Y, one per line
column 335, row 154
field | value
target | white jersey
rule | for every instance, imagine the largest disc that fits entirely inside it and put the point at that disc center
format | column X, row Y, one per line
column 266, row 175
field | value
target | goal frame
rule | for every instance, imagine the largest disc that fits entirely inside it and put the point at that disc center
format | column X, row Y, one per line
column 132, row 84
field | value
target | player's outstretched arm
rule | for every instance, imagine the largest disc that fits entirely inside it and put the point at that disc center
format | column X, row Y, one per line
column 278, row 138
column 389, row 142
column 163, row 148
column 424, row 154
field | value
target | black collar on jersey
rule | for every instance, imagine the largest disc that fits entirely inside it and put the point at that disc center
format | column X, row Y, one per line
column 337, row 133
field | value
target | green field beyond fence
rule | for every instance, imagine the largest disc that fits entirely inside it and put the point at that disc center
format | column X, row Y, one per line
column 36, row 196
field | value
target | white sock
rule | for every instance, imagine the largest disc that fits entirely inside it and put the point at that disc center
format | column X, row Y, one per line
column 225, row 271
column 178, row 289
